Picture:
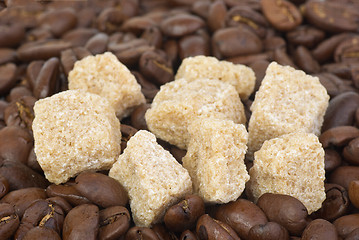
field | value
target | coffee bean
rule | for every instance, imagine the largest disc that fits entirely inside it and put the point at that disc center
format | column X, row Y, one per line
column 4, row 186
column 241, row 215
column 79, row 36
column 346, row 224
column 274, row 42
column 306, row 36
column 201, row 8
column 114, row 222
column 7, row 55
column 281, row 57
column 294, row 216
column 253, row 4
column 188, row 235
column 110, row 20
column 353, row 235
column 184, row 214
column 101, row 189
column 7, row 77
column 259, row 67
column 9, row 220
column 351, row 152
column 217, row 12
column 180, row 25
column 137, row 25
column 211, row 229
column 18, row 92
column 333, row 84
column 59, row 21
column 320, row 229
column 338, row 136
column 20, row 112
column 153, row 36
column 97, row 44
column 347, row 49
column 41, row 233
column 341, row 69
column 163, row 233
column 141, row 233
column 193, row 45
column 268, row 231
column 131, row 56
column 11, row 34
column 82, row 222
column 332, row 160
column 343, row 175
column 65, row 206
column 68, row 192
column 305, row 60
column 45, row 83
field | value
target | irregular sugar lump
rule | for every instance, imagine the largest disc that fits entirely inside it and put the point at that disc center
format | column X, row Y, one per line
column 180, row 102
column 238, row 75
column 75, row 131
column 152, row 176
column 292, row 164
column 215, row 159
column 106, row 76
column 287, row 101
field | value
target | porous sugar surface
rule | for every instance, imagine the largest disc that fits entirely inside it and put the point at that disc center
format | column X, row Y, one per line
column 292, row 164
column 238, row 75
column 106, row 76
column 180, row 102
column 215, row 159
column 75, row 131
column 288, row 100
column 152, row 176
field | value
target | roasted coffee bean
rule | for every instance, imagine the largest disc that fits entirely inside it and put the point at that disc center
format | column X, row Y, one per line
column 332, row 16
column 82, row 222
column 253, row 4
column 353, row 192
column 188, row 235
column 217, row 13
column 273, row 42
column 184, row 214
column 353, row 235
column 343, row 175
column 138, row 116
column 211, row 229
column 305, row 60
column 180, row 25
column 163, row 233
column 320, row 229
column 7, row 55
column 281, row 56
column 268, row 231
column 18, row 92
column 41, row 233
column 21, row 176
column 9, row 220
column 110, row 19
column 259, row 67
column 153, row 36
column 68, row 192
column 346, row 224
column 341, row 69
column 45, row 83
column 193, row 45
column 37, row 34
column 341, row 110
column 33, row 163
column 338, row 136
column 141, row 233
column 42, row 214
column 307, row 36
column 137, row 25
column 66, row 207
column 282, row 14
column 234, row 41
column 20, row 112
column 351, row 152
column 333, row 84
column 11, row 35
column 7, row 77
column 32, row 72
column 4, row 186
column 79, row 36
column 114, row 222
column 201, row 8
column 101, row 189
column 97, row 44
column 241, row 215
column 332, row 160
column 177, row 153
column 155, row 66
column 171, row 48
column 131, row 56
column 347, row 50
column 294, row 216
column 21, row 199
column 59, row 21
column 148, row 88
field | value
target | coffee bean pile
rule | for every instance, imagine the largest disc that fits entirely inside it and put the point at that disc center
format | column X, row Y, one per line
column 41, row 40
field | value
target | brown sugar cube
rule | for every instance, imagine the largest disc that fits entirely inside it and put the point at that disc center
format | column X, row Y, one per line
column 292, row 164
column 238, row 75
column 152, row 176
column 75, row 131
column 106, row 76
column 215, row 159
column 287, row 101
column 179, row 102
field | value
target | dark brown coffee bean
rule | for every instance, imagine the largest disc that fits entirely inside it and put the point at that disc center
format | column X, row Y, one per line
column 43, row 214
column 20, row 112
column 41, row 233
column 241, row 215
column 343, row 175
column 16, row 144
column 332, row 160
column 177, row 153
column 33, row 163
column 41, row 50
column 59, row 21
column 320, row 229
column 273, row 42
column 11, row 35
column 307, row 36
column 333, row 84
column 234, row 41
column 7, row 77
column 38, row 34
column 347, row 50
column 110, row 19
column 281, row 56
column 351, row 152
column 163, row 233
column 341, row 69
column 184, row 214
column 138, row 116
column 216, row 18
column 114, row 222
column 335, row 204
column 131, row 56
column 338, row 136
column 79, row 36
column 21, row 199
column 9, row 220
column 148, row 88
column 7, row 55
column 155, row 66
column 101, row 189
column 211, row 229
column 60, row 202
column 268, row 231
column 294, row 216
column 332, row 16
column 253, row 4
column 259, row 67
column 153, row 36
column 201, row 8
column 188, row 235
column 353, row 193
column 171, row 48
column 180, row 25
column 282, row 14
column 354, row 235
column 4, row 186
column 32, row 72
column 346, row 224
column 45, row 84
column 68, row 192
column 18, row 92
column 97, row 44
column 141, row 233
column 82, row 222
column 193, row 45
column 341, row 110
column 305, row 60
column 137, row 25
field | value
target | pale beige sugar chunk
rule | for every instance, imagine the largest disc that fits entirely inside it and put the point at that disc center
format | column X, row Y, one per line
column 106, row 76
column 181, row 101
column 238, row 75
column 288, row 100
column 292, row 164
column 75, row 131
column 215, row 159
column 152, row 176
